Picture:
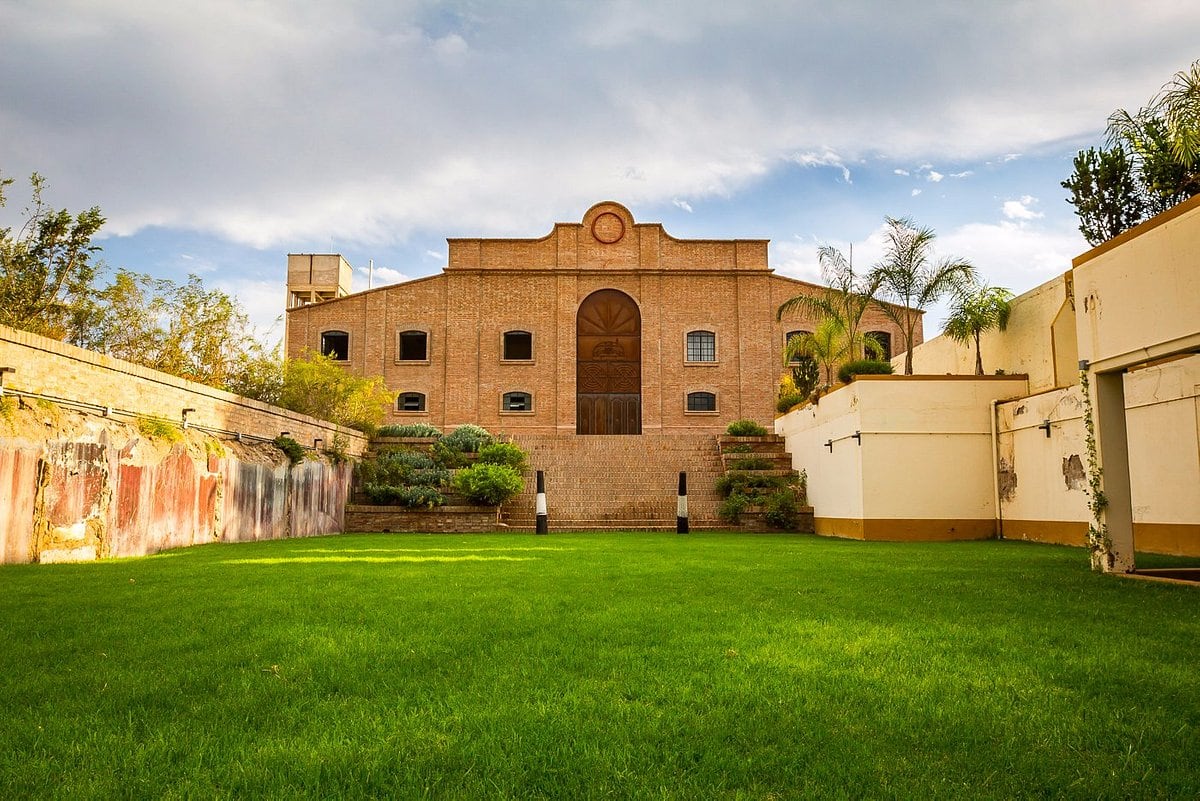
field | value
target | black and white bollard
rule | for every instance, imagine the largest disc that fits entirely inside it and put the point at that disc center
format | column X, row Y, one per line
column 543, row 523
column 681, row 521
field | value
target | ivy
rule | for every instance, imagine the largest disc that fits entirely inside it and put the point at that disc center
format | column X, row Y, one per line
column 1098, row 541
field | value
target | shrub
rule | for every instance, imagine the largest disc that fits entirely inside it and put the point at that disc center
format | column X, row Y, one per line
column 467, row 438
column 413, row 497
column 741, row 447
column 430, row 477
column 423, row 430
column 292, row 449
column 745, row 428
column 863, row 367
column 732, row 507
column 756, row 463
column 786, row 402
column 447, row 456
column 338, row 451
column 160, row 429
column 748, row 484
column 780, row 511
column 488, row 484
column 507, row 453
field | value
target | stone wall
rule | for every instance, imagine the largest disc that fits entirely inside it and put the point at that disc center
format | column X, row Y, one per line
column 48, row 367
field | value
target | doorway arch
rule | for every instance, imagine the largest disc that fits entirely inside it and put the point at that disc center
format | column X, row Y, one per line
column 608, row 364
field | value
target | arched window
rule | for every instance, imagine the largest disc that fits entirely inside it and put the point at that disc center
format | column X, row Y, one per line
column 335, row 345
column 517, row 402
column 701, row 346
column 798, row 358
column 701, row 402
column 414, row 346
column 410, row 402
column 518, row 346
column 884, row 340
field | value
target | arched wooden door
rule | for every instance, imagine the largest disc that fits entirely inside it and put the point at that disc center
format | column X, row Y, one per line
column 608, row 365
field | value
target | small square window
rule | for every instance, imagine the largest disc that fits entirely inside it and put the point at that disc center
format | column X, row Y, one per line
column 518, row 346
column 410, row 402
column 517, row 402
column 336, row 345
column 414, row 346
column 701, row 402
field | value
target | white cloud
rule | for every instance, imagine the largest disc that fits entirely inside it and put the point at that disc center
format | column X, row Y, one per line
column 899, row 171
column 934, row 176
column 433, row 254
column 1021, row 209
column 380, row 276
column 963, row 174
column 916, row 192
column 683, row 204
column 825, row 158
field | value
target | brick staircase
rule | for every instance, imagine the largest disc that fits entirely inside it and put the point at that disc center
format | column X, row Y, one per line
column 619, row 482
column 771, row 449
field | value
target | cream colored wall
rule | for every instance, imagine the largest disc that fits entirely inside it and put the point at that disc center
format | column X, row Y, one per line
column 1043, row 480
column 835, row 485
column 1164, row 445
column 1138, row 296
column 925, row 452
column 1024, row 347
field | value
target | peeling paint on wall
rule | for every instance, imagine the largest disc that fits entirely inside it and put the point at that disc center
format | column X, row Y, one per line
column 1008, row 480
column 1073, row 473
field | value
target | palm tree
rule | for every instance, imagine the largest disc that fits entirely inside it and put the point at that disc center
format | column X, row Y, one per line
column 826, row 344
column 846, row 297
column 909, row 277
column 980, row 308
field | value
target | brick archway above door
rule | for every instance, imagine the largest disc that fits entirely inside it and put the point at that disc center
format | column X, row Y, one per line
column 608, row 364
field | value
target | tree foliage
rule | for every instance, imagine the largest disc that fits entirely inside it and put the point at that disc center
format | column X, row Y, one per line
column 317, row 385
column 46, row 267
column 1152, row 162
column 912, row 279
column 845, row 298
column 977, row 309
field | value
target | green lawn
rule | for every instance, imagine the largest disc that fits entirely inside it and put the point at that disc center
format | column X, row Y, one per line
column 597, row 665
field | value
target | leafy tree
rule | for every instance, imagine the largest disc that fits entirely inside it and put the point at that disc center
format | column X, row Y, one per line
column 317, row 385
column 846, row 297
column 46, row 268
column 257, row 372
column 911, row 279
column 1151, row 164
column 980, row 308
column 1106, row 194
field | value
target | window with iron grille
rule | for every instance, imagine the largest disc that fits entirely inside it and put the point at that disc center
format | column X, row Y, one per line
column 701, row 402
column 701, row 346
column 410, row 402
column 518, row 402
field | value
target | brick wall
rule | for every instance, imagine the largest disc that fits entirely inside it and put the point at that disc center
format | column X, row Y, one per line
column 446, row 519
column 46, row 366
column 537, row 285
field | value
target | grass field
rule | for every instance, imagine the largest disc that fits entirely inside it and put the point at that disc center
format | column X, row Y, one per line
column 597, row 665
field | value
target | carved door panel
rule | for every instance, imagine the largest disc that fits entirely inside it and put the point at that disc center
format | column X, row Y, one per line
column 608, row 365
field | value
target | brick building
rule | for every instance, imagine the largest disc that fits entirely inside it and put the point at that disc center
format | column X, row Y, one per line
column 606, row 326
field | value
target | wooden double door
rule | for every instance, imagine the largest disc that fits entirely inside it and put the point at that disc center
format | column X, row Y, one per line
column 608, row 364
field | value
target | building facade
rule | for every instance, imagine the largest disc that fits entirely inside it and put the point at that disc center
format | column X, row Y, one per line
column 606, row 326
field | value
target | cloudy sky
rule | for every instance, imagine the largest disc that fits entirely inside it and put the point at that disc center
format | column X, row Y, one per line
column 218, row 136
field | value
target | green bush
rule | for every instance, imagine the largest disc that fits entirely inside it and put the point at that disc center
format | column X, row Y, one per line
column 446, row 456
column 337, row 453
column 745, row 428
column 292, row 449
column 748, row 484
column 414, row 497
column 488, row 484
column 393, row 467
column 467, row 438
column 410, row 430
column 757, row 463
column 741, row 447
column 732, row 507
column 864, row 367
column 787, row 401
column 780, row 511
column 162, row 429
column 429, row 477
column 504, row 453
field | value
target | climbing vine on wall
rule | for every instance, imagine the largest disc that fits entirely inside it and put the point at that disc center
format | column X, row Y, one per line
column 1098, row 540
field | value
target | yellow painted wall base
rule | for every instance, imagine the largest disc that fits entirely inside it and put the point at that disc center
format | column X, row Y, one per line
column 903, row 530
column 1056, row 532
column 1177, row 539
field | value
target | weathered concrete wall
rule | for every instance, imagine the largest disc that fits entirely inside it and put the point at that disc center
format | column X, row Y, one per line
column 93, row 488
